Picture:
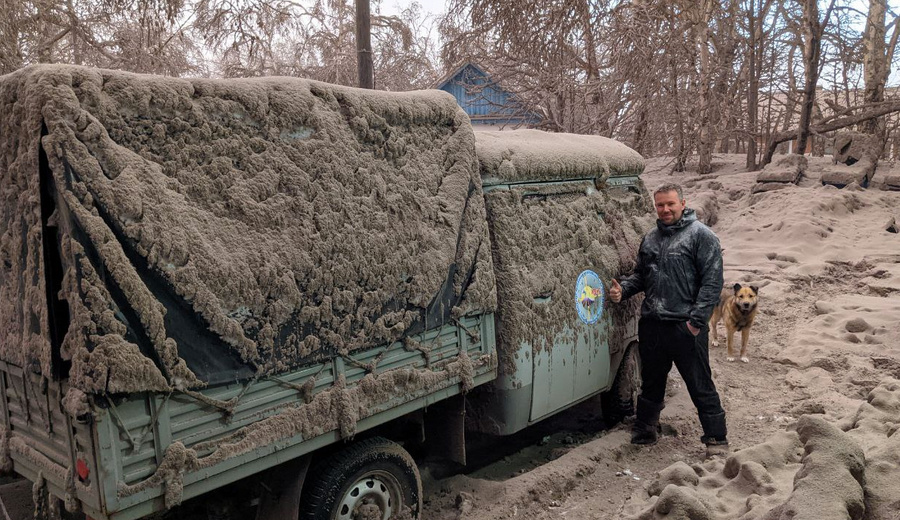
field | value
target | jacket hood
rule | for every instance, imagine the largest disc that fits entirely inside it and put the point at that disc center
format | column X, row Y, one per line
column 687, row 218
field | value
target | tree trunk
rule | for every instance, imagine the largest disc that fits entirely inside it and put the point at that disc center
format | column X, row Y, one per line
column 590, row 48
column 681, row 151
column 724, row 75
column 561, row 111
column 45, row 47
column 812, row 49
column 640, row 129
column 812, row 46
column 756, row 16
column 75, row 42
column 364, row 45
column 769, row 112
column 874, row 62
column 704, row 147
column 791, row 103
column 601, row 120
column 752, row 89
column 818, row 141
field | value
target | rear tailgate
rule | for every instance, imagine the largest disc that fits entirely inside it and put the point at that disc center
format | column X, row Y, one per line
column 43, row 441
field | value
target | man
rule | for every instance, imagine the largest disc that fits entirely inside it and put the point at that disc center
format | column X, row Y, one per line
column 679, row 269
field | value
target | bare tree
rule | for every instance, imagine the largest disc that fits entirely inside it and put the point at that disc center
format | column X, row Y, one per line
column 757, row 13
column 142, row 36
column 874, row 58
column 318, row 41
column 877, row 60
column 701, row 13
column 813, row 28
column 810, row 32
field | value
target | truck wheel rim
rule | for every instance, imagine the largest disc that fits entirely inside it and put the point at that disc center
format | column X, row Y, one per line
column 376, row 488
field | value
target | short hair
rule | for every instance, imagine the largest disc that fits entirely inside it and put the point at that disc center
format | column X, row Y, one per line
column 670, row 186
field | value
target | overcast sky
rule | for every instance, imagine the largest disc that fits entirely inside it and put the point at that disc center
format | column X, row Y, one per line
column 433, row 7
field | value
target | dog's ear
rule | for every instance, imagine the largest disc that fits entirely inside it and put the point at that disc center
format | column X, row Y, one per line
column 737, row 287
column 755, row 289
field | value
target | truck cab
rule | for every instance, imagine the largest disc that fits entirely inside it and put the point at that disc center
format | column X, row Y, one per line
column 565, row 213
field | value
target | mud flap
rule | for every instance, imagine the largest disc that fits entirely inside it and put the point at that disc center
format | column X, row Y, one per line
column 445, row 429
column 281, row 490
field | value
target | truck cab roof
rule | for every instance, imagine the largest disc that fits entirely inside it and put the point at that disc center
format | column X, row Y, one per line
column 525, row 156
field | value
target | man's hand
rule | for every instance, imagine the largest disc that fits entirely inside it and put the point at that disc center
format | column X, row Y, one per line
column 615, row 291
column 694, row 330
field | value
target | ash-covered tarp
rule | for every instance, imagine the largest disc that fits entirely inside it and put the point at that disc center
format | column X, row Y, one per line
column 160, row 233
column 545, row 234
column 533, row 155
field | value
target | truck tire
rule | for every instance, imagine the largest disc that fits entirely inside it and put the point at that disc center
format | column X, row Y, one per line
column 618, row 402
column 368, row 477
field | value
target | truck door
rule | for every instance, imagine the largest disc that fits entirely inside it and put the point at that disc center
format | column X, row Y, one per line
column 553, row 253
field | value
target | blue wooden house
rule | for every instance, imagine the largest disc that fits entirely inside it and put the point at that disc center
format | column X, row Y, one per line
column 488, row 104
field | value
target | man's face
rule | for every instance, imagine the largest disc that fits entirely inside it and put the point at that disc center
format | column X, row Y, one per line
column 668, row 207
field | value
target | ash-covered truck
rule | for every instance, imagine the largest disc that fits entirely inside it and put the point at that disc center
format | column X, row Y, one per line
column 281, row 283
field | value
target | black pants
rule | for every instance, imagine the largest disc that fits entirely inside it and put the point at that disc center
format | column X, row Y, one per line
column 663, row 343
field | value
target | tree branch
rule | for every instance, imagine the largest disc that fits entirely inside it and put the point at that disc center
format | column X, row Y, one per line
column 865, row 113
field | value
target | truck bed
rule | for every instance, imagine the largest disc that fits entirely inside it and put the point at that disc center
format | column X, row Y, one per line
column 230, row 431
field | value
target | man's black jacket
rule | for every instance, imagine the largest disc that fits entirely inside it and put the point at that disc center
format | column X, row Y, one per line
column 679, row 270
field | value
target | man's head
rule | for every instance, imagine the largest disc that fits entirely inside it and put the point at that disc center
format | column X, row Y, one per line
column 670, row 203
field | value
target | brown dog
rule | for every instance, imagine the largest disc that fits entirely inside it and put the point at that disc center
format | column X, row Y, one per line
column 737, row 307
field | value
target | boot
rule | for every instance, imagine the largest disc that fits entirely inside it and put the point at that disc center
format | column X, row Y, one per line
column 715, row 434
column 717, row 448
column 646, row 422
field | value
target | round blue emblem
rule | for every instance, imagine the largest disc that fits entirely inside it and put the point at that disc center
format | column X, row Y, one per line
column 589, row 297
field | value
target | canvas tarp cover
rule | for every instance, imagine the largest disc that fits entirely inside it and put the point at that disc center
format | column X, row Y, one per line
column 160, row 233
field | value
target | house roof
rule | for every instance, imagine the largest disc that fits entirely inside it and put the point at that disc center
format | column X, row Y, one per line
column 443, row 80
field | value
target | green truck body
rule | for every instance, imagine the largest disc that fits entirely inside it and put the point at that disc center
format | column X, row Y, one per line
column 126, row 455
column 126, row 442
